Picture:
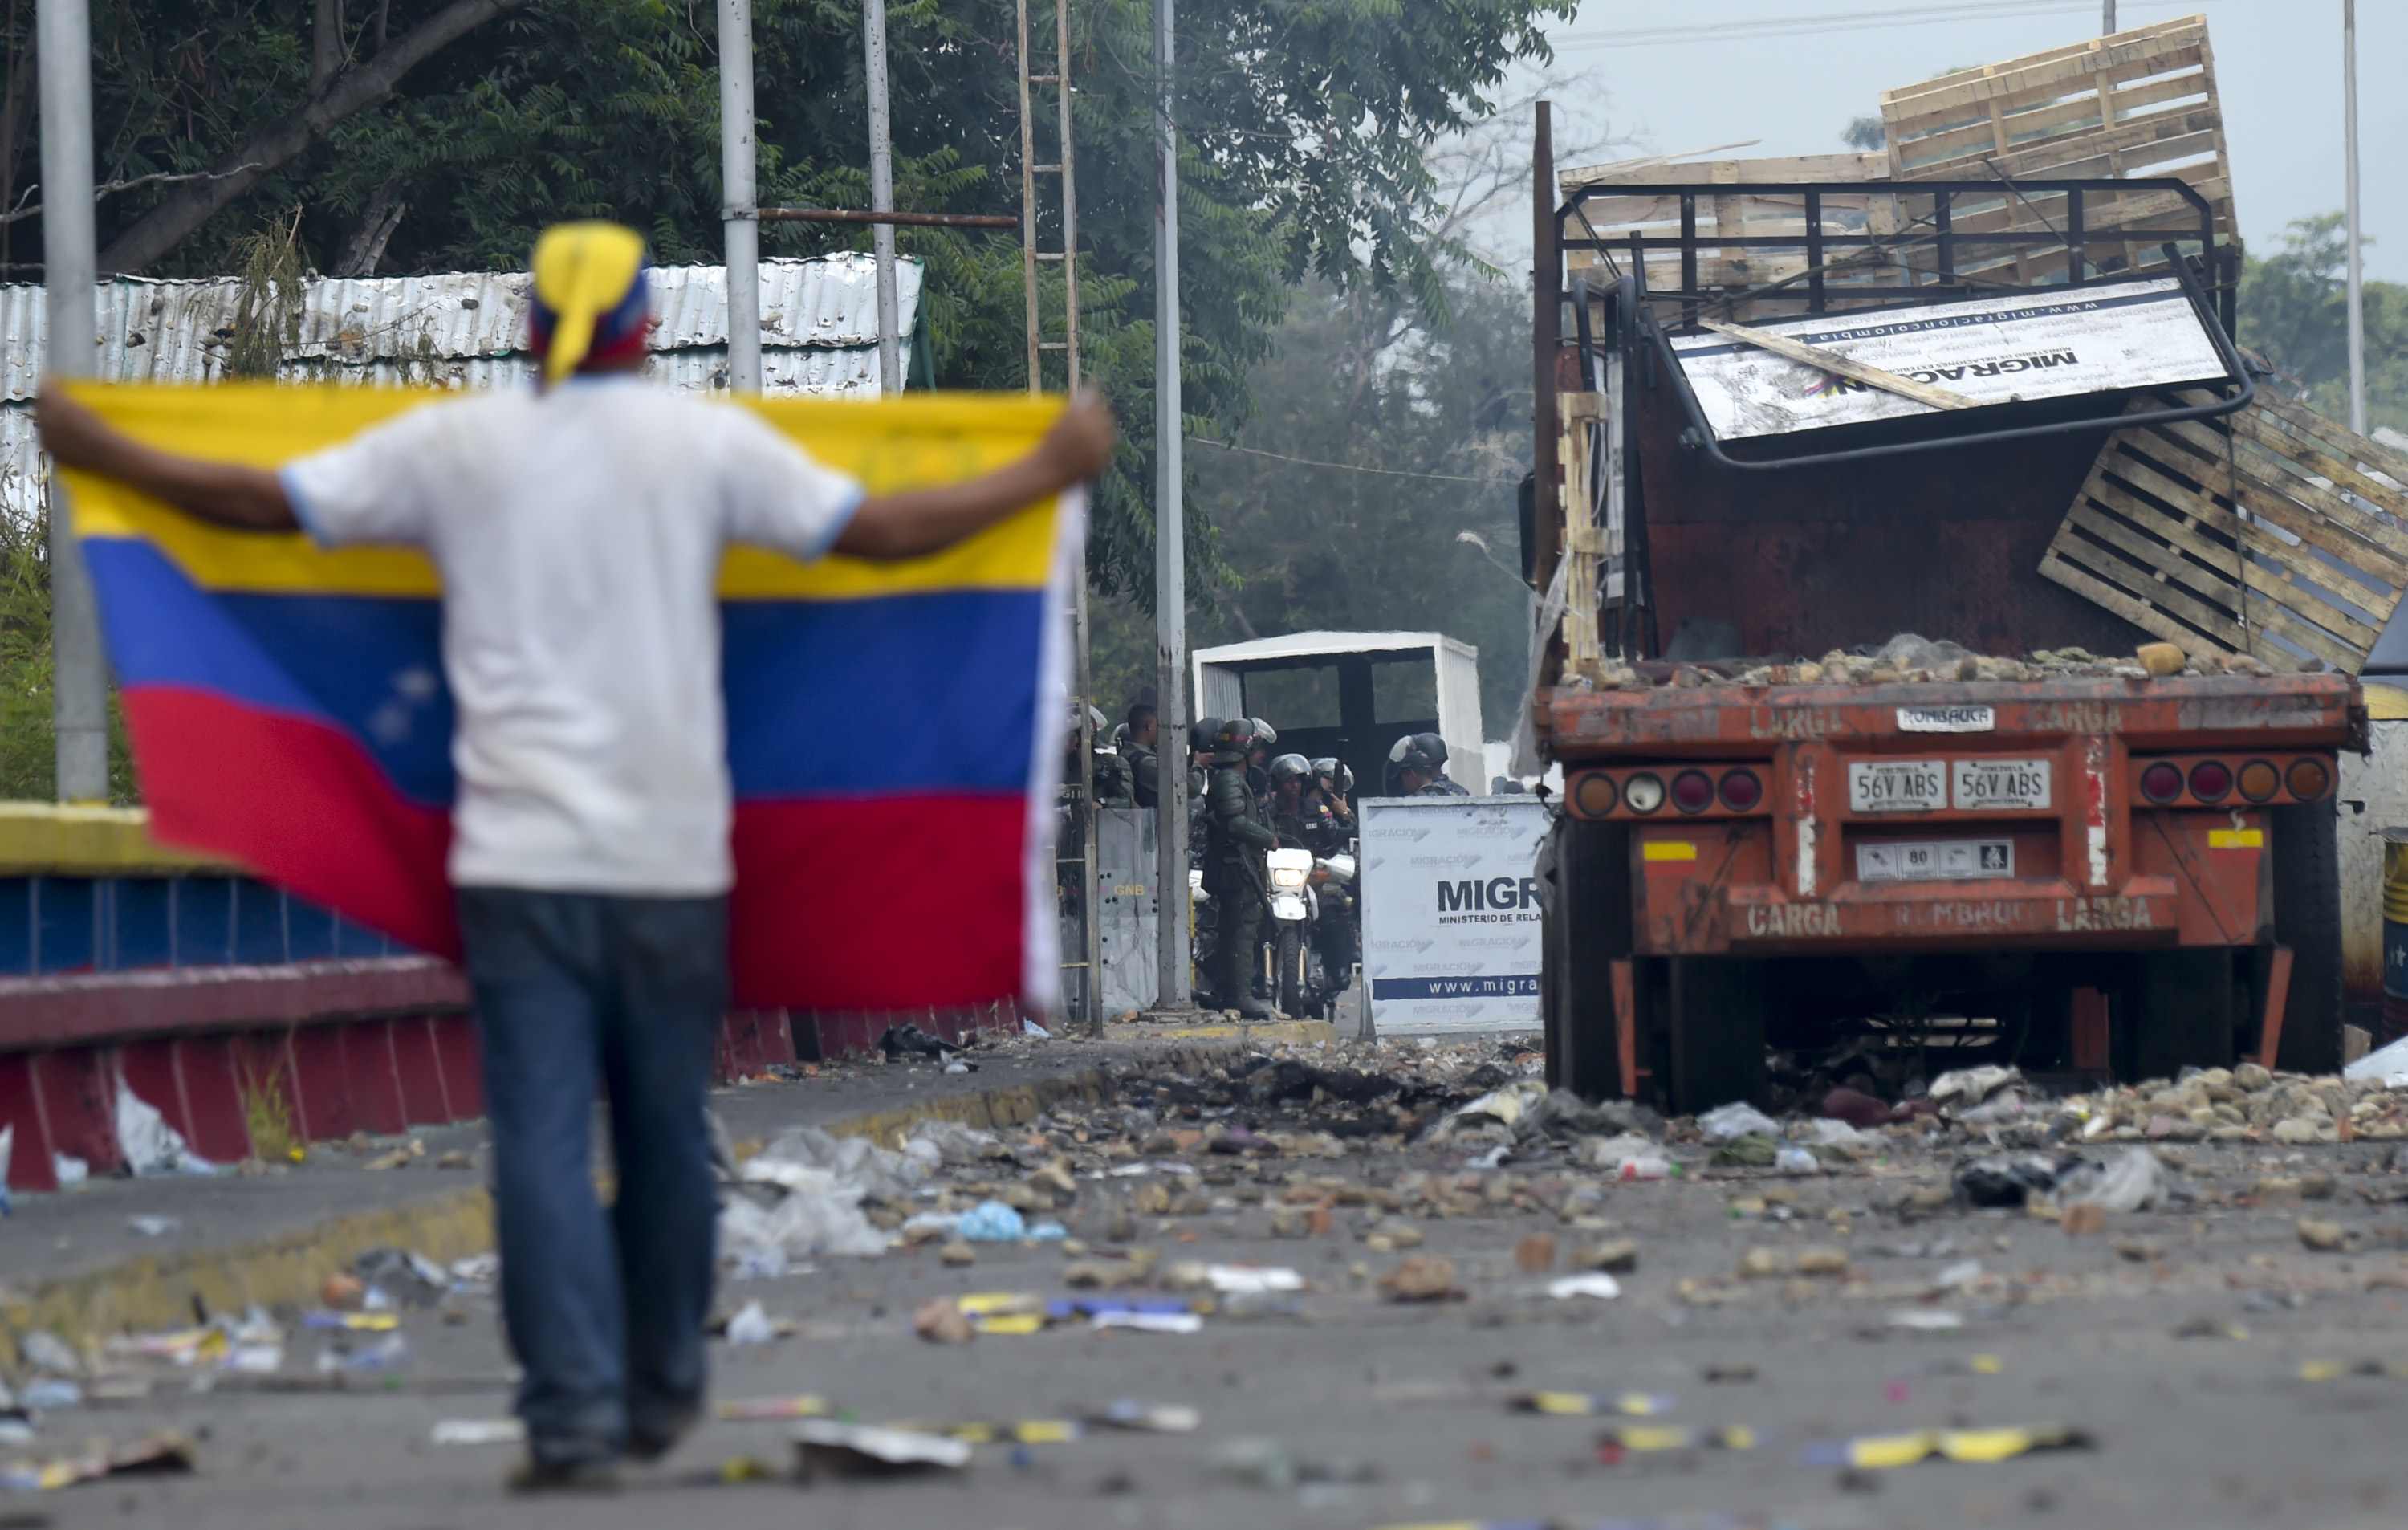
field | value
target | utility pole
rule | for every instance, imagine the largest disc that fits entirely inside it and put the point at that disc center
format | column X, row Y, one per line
column 2356, row 257
column 80, row 682
column 740, row 211
column 2106, row 17
column 881, row 198
column 1170, row 542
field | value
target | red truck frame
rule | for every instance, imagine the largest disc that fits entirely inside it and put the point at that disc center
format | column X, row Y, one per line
column 1737, row 868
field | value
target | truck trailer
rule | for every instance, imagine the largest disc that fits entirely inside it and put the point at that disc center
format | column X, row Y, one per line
column 1782, row 831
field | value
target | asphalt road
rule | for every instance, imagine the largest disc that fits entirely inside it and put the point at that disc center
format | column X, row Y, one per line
column 2173, row 1341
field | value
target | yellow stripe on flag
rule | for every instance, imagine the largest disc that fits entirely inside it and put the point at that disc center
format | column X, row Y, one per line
column 912, row 442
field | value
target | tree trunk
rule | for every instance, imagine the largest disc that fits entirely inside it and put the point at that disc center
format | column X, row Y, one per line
column 325, row 45
column 378, row 221
column 159, row 231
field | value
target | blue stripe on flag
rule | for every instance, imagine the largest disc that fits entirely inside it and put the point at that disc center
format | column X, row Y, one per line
column 930, row 693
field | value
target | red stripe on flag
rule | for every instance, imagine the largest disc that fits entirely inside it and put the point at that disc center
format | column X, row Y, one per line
column 880, row 903
column 854, row 902
column 300, row 803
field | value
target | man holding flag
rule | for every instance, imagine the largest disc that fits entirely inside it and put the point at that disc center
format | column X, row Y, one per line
column 578, row 532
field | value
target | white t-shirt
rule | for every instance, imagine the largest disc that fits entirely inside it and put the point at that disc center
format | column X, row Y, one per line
column 578, row 533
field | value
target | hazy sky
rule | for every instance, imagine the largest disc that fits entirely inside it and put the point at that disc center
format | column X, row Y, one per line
column 2278, row 65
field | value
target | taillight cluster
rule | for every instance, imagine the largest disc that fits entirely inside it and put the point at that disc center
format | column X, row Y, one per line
column 1698, row 792
column 2209, row 784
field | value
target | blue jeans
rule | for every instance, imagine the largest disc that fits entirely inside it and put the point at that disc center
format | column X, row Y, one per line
column 580, row 994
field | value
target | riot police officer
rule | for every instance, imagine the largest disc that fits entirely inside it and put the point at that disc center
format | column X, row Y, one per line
column 1142, row 727
column 1333, row 785
column 1235, row 873
column 1298, row 812
column 1418, row 761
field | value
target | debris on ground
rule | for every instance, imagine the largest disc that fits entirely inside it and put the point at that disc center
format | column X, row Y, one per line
column 857, row 1450
column 1598, row 1287
column 1422, row 1278
column 1728, row 1123
column 477, row 1432
column 2322, row 1236
column 2010, row 1179
column 943, row 1322
column 159, row 1455
column 1963, row 1446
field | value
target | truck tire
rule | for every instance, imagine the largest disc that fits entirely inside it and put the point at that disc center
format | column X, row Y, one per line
column 1716, row 1014
column 2307, row 919
column 1287, row 960
column 1584, row 927
column 2181, row 1013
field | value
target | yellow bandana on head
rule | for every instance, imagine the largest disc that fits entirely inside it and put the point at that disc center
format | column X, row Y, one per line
column 590, row 294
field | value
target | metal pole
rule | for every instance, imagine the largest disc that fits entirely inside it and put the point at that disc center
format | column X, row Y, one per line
column 79, row 681
column 881, row 197
column 2106, row 17
column 1028, row 215
column 2356, row 257
column 1169, row 543
column 739, row 211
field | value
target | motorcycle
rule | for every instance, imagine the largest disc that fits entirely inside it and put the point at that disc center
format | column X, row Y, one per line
column 1302, row 966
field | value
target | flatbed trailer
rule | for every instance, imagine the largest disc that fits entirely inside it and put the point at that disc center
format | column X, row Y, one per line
column 2096, row 871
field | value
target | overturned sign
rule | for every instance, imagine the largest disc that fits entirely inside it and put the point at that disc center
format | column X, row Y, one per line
column 2095, row 339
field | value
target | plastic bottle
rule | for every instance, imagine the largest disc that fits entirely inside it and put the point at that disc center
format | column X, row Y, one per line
column 1651, row 1166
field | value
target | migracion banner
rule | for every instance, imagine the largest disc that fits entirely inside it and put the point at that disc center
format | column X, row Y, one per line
column 2090, row 339
column 1451, row 912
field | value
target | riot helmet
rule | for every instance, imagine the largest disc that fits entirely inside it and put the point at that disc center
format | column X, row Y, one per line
column 1333, row 773
column 1290, row 767
column 1424, row 752
column 1232, row 739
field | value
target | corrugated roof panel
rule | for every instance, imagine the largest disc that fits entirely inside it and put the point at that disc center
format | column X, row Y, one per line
column 819, row 321
column 176, row 331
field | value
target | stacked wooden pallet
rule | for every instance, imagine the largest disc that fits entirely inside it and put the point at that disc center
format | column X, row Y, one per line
column 1737, row 214
column 2273, row 532
column 2135, row 105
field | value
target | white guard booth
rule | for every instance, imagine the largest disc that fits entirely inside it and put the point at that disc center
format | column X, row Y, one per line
column 1451, row 913
column 1351, row 694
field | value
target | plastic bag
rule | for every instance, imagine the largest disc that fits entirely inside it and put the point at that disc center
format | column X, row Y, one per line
column 149, row 1144
column 809, row 1159
column 2132, row 1181
column 1727, row 1122
column 802, row 1224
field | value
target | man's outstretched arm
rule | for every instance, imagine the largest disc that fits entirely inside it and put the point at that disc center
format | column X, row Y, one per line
column 919, row 522
column 224, row 494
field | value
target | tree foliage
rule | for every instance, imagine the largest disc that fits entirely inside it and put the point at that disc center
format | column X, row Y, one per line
column 1306, row 126
column 2295, row 312
column 1378, row 442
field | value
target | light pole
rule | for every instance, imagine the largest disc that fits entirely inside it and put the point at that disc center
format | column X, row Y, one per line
column 739, row 210
column 2356, row 256
column 1171, row 990
column 79, row 678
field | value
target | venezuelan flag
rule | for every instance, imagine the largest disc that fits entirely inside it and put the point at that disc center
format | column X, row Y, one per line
column 891, row 729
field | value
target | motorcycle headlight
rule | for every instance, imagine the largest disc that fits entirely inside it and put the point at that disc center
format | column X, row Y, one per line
column 1288, row 877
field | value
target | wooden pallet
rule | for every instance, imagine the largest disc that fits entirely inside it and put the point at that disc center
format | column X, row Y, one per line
column 2137, row 104
column 1742, row 212
column 2309, row 567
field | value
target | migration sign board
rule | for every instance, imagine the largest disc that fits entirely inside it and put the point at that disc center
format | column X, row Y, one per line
column 2090, row 339
column 1451, row 912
